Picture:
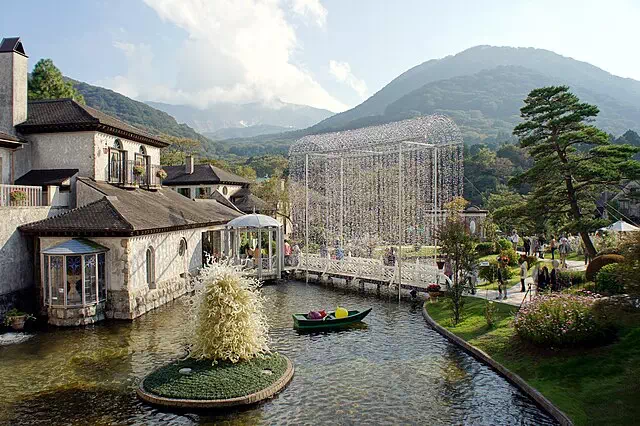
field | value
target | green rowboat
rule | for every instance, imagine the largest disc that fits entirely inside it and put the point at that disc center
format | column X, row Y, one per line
column 302, row 322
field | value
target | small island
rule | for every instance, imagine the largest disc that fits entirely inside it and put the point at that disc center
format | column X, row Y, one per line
column 229, row 362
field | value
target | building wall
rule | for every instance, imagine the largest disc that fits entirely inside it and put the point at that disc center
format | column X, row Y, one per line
column 13, row 91
column 21, row 160
column 70, row 150
column 102, row 143
column 231, row 189
column 5, row 166
column 16, row 251
column 128, row 294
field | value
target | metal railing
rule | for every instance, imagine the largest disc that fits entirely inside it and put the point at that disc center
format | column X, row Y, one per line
column 132, row 173
column 21, row 196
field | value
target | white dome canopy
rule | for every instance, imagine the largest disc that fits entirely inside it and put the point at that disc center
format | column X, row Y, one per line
column 253, row 221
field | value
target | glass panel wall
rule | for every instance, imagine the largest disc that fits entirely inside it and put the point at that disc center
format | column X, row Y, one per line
column 102, row 283
column 90, row 279
column 56, row 276
column 74, row 280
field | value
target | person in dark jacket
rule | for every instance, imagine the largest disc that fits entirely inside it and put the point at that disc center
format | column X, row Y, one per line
column 543, row 279
column 553, row 276
column 527, row 246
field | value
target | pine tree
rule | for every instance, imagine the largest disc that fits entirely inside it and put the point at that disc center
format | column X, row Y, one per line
column 573, row 160
column 47, row 82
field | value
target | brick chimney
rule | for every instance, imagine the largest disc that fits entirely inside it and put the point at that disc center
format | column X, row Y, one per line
column 13, row 84
column 188, row 164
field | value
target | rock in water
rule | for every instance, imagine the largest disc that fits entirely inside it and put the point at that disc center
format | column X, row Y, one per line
column 186, row 371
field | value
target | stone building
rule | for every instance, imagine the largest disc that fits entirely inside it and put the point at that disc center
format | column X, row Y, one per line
column 88, row 231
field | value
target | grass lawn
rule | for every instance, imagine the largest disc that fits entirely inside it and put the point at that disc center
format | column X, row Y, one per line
column 593, row 386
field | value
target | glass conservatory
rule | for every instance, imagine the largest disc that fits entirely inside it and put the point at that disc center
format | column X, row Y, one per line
column 74, row 274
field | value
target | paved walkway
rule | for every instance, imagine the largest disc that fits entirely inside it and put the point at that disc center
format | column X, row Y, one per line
column 514, row 295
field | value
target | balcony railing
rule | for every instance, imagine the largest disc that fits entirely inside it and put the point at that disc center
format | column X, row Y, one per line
column 21, row 196
column 131, row 174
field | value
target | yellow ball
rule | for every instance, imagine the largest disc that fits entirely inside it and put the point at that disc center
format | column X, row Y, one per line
column 341, row 313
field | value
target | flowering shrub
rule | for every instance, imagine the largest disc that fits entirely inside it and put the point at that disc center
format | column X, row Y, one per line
column 433, row 288
column 561, row 319
column 18, row 195
column 161, row 174
column 139, row 170
column 226, row 316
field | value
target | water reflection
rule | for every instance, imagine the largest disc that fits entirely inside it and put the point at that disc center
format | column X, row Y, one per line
column 393, row 370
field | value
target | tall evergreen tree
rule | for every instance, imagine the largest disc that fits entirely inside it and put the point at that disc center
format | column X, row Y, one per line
column 47, row 82
column 573, row 160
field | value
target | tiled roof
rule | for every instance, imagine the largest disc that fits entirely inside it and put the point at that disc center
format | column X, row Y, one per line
column 249, row 203
column 132, row 212
column 202, row 174
column 12, row 44
column 63, row 115
column 44, row 177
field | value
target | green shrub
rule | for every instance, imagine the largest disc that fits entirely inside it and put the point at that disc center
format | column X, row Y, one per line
column 608, row 279
column 562, row 320
column 485, row 248
column 532, row 260
column 490, row 273
column 570, row 278
column 504, row 244
column 598, row 262
column 511, row 254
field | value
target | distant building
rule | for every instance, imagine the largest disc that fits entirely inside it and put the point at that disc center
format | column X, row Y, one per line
column 87, row 230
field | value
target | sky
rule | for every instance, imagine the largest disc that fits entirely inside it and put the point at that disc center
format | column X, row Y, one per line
column 329, row 54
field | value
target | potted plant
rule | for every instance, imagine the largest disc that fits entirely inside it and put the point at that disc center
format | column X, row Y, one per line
column 161, row 174
column 16, row 319
column 17, row 197
column 434, row 291
column 139, row 170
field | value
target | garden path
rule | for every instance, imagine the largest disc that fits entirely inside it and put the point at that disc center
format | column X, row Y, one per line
column 514, row 295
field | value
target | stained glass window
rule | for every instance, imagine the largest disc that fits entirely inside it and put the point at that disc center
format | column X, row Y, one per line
column 90, row 278
column 74, row 280
column 56, row 273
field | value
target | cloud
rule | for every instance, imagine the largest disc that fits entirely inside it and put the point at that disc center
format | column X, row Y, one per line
column 341, row 71
column 311, row 9
column 235, row 51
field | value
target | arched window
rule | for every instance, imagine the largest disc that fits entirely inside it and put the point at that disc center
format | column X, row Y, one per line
column 151, row 268
column 143, row 150
column 182, row 249
column 117, row 144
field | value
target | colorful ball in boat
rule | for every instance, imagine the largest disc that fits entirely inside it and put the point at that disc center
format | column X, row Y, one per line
column 341, row 313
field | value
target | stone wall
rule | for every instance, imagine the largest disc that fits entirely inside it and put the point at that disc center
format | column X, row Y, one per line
column 17, row 253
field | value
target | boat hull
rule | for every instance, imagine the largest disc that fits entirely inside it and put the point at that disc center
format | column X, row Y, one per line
column 301, row 322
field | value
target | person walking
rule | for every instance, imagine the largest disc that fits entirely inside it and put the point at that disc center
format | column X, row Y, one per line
column 515, row 239
column 552, row 246
column 502, row 278
column 564, row 248
column 524, row 268
column 541, row 242
column 527, row 245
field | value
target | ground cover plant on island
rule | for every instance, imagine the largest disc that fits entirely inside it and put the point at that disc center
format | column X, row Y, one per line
column 229, row 356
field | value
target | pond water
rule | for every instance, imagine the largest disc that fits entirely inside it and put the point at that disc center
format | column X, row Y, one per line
column 393, row 370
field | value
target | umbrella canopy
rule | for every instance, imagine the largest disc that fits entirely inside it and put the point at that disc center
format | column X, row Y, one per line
column 253, row 221
column 622, row 226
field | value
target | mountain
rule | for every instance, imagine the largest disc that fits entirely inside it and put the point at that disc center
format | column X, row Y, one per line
column 245, row 132
column 140, row 115
column 228, row 115
column 622, row 94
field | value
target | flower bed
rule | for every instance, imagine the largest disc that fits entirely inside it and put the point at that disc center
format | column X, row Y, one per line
column 562, row 320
